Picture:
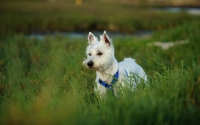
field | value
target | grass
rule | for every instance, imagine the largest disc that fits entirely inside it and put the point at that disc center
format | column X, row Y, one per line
column 44, row 82
column 43, row 16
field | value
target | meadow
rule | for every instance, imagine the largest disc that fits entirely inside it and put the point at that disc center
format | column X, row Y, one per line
column 44, row 82
column 46, row 17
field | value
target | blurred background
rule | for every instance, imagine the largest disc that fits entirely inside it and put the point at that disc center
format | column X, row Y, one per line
column 75, row 16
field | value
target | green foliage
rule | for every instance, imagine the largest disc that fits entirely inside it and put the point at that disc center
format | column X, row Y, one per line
column 44, row 82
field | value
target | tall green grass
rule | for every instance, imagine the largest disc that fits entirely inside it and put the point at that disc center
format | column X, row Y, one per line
column 44, row 82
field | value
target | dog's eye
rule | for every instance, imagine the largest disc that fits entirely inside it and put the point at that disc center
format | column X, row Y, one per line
column 90, row 54
column 99, row 53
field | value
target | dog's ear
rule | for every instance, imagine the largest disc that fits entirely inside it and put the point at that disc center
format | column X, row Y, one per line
column 91, row 38
column 105, row 38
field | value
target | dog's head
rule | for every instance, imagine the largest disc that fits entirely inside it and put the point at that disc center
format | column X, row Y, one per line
column 100, row 54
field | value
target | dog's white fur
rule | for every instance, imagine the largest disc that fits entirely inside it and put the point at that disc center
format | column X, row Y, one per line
column 101, row 55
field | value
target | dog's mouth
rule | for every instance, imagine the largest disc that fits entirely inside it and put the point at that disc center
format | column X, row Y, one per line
column 92, row 67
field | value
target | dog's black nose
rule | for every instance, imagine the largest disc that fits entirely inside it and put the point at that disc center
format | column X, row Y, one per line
column 90, row 64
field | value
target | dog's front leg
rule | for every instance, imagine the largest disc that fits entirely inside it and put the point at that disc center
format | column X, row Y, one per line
column 99, row 89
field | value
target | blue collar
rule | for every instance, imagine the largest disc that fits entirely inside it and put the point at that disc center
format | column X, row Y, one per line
column 114, row 80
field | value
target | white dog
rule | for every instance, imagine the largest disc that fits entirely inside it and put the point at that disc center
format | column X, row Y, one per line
column 110, row 73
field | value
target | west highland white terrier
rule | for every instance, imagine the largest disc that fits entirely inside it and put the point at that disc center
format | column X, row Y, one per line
column 109, row 73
